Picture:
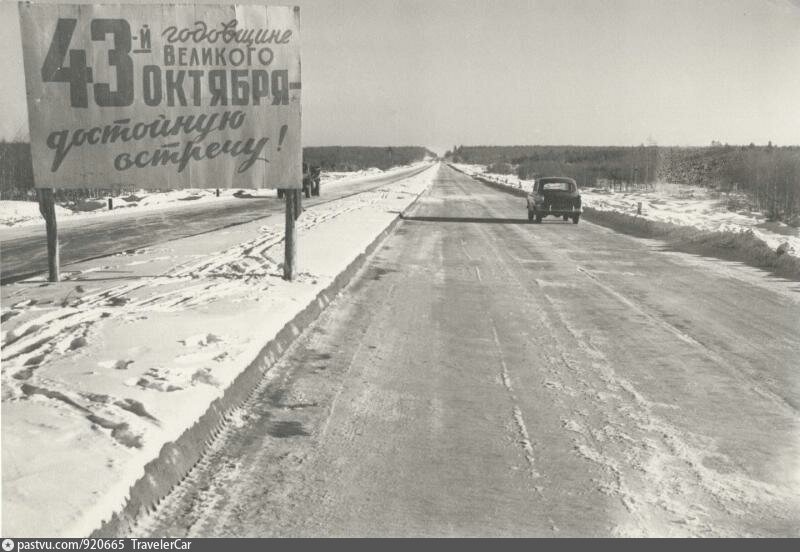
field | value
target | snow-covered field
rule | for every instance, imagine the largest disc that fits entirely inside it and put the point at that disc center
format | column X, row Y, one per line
column 677, row 204
column 100, row 371
column 23, row 213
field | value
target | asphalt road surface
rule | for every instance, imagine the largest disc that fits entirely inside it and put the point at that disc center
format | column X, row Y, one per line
column 489, row 377
column 24, row 250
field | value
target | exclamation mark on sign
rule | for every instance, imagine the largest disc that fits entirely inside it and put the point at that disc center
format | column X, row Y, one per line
column 284, row 129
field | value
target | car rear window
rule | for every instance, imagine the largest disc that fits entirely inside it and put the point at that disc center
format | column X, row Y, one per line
column 563, row 186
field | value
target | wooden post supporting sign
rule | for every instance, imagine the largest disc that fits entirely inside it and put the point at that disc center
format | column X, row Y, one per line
column 47, row 207
column 290, row 245
column 298, row 204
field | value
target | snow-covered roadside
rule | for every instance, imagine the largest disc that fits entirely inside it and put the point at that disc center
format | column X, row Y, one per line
column 19, row 213
column 123, row 356
column 25, row 213
column 677, row 204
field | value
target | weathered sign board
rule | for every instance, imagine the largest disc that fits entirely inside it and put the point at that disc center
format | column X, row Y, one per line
column 163, row 95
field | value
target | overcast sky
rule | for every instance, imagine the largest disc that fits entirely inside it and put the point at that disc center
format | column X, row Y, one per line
column 445, row 72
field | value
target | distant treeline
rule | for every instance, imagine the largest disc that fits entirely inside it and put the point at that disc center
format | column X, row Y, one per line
column 353, row 158
column 769, row 175
column 16, row 169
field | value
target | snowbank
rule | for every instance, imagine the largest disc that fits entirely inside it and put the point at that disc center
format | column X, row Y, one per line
column 21, row 212
column 100, row 371
column 677, row 204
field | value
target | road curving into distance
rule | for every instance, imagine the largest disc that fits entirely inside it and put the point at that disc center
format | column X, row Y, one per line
column 489, row 377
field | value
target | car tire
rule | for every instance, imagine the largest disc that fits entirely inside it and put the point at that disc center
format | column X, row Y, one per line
column 566, row 218
column 538, row 219
column 575, row 219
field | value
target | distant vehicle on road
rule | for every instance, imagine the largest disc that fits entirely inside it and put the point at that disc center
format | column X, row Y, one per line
column 555, row 196
column 311, row 181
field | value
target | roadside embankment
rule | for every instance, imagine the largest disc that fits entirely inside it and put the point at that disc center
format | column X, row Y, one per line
column 742, row 246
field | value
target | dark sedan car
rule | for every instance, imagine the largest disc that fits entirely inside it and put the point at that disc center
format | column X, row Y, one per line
column 555, row 196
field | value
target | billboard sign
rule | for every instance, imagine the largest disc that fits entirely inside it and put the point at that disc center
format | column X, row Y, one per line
column 163, row 95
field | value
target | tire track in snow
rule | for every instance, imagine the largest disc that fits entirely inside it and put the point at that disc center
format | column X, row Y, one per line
column 661, row 465
column 655, row 469
column 519, row 422
column 776, row 399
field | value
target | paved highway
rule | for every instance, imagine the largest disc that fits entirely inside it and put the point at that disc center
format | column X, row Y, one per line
column 486, row 376
column 24, row 250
